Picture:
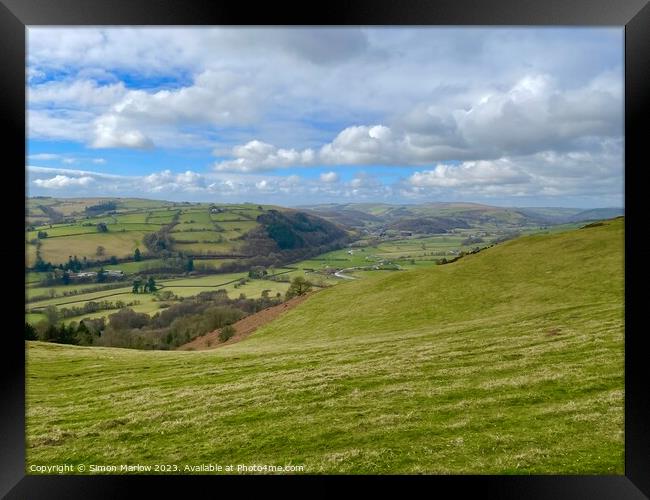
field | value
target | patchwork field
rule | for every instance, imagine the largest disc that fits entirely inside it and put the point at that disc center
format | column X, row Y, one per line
column 120, row 244
column 70, row 227
column 509, row 361
column 77, row 295
column 201, row 236
column 211, row 247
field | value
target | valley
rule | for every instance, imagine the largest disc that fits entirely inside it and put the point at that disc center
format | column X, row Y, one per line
column 193, row 248
column 435, row 369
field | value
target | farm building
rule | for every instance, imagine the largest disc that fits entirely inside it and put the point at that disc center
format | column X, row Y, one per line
column 86, row 274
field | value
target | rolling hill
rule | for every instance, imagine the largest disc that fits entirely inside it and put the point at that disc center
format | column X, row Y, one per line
column 430, row 218
column 109, row 230
column 508, row 361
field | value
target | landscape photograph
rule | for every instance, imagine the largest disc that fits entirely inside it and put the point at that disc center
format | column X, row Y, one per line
column 324, row 250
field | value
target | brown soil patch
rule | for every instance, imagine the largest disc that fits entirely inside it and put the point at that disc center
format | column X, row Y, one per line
column 244, row 327
column 553, row 332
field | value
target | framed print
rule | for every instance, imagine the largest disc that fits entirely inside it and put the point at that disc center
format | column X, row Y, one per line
column 366, row 241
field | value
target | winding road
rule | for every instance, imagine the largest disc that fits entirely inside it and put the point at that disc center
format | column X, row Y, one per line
column 339, row 274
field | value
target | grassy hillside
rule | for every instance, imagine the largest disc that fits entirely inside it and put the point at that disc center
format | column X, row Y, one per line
column 506, row 361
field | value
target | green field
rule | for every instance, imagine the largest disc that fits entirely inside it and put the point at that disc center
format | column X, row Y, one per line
column 114, row 227
column 33, row 277
column 509, row 361
column 63, row 230
column 182, row 287
column 252, row 289
column 203, row 281
column 240, row 227
column 201, row 236
column 60, row 290
column 193, row 226
column 228, row 216
column 226, row 247
column 119, row 244
column 135, row 218
column 199, row 217
column 135, row 267
column 77, row 300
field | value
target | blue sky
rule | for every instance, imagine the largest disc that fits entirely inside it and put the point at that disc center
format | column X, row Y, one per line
column 508, row 116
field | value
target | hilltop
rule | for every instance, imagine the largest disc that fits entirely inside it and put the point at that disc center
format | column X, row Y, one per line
column 506, row 361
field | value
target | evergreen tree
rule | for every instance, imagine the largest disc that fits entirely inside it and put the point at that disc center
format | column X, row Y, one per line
column 30, row 332
column 137, row 256
column 67, row 335
column 101, row 275
column 51, row 334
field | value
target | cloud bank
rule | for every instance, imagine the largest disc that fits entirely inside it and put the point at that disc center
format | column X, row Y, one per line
column 446, row 113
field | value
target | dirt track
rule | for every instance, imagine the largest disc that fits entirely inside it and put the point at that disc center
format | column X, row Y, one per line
column 243, row 328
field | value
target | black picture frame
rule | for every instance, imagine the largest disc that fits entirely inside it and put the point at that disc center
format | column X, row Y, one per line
column 634, row 15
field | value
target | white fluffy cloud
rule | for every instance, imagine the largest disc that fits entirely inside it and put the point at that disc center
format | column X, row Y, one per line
column 542, row 174
column 117, row 117
column 258, row 156
column 167, row 181
column 62, row 181
column 471, row 173
column 329, row 177
column 111, row 131
column 480, row 110
column 530, row 117
column 360, row 145
column 75, row 93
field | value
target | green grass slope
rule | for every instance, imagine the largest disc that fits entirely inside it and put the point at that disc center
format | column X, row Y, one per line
column 509, row 361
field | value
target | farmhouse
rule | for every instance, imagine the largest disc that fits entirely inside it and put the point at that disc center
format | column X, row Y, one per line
column 86, row 274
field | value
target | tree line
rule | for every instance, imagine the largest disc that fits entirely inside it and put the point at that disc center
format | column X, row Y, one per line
column 166, row 329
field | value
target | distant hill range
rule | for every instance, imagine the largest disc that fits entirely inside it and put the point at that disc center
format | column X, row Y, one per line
column 564, row 215
column 442, row 217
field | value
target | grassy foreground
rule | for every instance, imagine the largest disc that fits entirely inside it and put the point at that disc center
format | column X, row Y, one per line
column 509, row 361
